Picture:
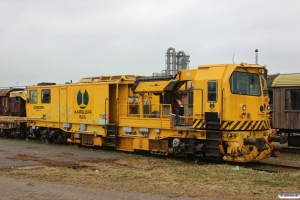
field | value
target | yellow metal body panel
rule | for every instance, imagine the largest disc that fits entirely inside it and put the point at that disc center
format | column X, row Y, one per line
column 67, row 106
column 126, row 144
column 84, row 108
column 98, row 141
column 141, row 144
column 162, row 123
column 228, row 105
column 153, row 87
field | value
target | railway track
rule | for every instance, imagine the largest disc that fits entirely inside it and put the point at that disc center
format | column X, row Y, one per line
column 258, row 166
column 273, row 168
column 290, row 150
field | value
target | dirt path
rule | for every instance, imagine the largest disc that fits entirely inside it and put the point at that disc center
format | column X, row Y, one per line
column 13, row 189
column 20, row 154
column 13, row 153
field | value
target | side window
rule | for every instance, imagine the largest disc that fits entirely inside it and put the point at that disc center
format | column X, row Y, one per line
column 33, row 96
column 264, row 84
column 212, row 91
column 292, row 99
column 46, row 94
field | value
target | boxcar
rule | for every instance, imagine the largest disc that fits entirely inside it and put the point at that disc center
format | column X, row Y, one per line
column 284, row 91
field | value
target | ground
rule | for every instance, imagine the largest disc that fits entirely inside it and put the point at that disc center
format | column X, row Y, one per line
column 31, row 170
column 15, row 189
column 20, row 155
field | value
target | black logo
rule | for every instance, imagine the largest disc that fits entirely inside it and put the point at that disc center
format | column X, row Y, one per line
column 82, row 99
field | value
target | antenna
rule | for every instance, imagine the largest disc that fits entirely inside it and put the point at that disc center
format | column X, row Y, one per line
column 233, row 58
column 256, row 56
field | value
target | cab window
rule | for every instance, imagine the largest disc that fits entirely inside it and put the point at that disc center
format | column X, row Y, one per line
column 245, row 83
column 46, row 94
column 212, row 91
column 33, row 96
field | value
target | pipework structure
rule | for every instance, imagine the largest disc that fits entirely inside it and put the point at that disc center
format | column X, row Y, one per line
column 175, row 61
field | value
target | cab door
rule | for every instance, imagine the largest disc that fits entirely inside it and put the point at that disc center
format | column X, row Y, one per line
column 212, row 120
column 212, row 116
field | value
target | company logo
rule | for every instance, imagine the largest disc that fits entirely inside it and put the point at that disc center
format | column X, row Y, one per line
column 82, row 99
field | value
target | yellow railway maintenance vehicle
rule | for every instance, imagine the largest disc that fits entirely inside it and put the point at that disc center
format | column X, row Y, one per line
column 226, row 113
column 216, row 110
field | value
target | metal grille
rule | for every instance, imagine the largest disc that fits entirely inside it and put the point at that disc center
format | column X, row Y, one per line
column 160, row 145
column 87, row 139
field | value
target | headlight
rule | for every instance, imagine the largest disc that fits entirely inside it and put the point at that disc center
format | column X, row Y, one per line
column 268, row 107
column 244, row 107
column 176, row 142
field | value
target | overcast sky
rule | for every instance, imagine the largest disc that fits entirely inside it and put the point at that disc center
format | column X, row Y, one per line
column 63, row 40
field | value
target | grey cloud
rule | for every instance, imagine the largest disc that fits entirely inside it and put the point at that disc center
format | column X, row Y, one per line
column 62, row 40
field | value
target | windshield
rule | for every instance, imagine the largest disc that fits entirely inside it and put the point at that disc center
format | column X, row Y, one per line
column 245, row 83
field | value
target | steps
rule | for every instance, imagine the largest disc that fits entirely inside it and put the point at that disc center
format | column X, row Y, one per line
column 112, row 135
column 213, row 135
column 212, row 143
